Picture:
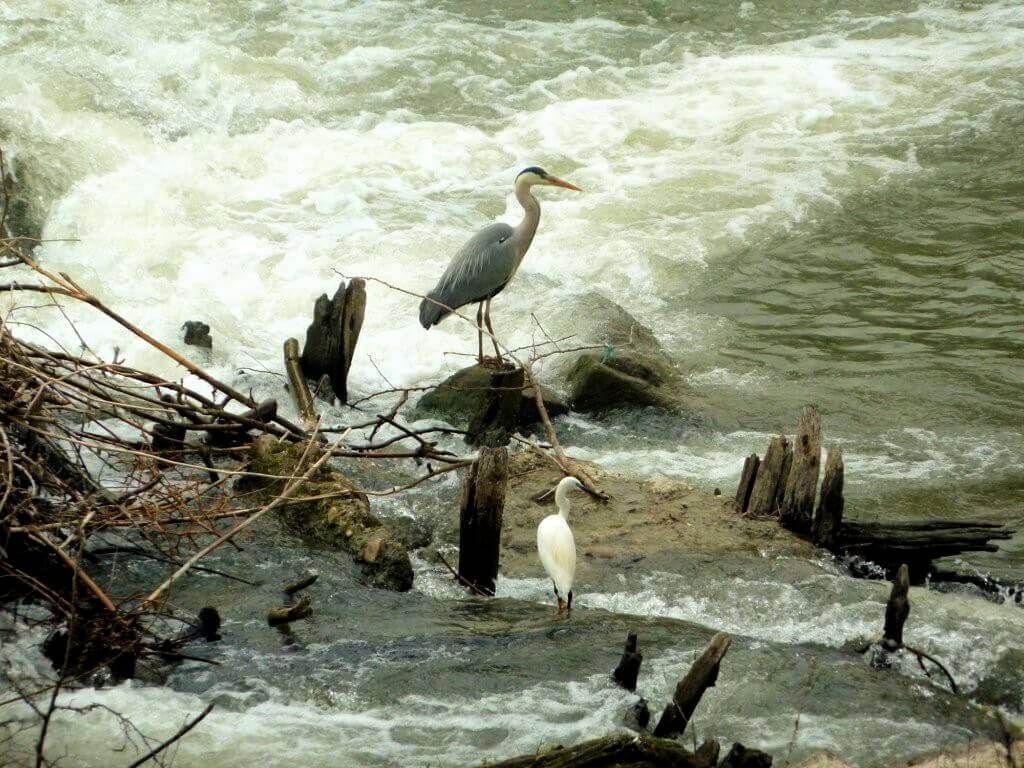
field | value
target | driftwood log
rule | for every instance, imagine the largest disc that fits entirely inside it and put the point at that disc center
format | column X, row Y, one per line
column 828, row 518
column 300, row 610
column 481, row 508
column 331, row 337
column 702, row 675
column 769, row 478
column 297, row 381
column 628, row 669
column 497, row 417
column 615, row 751
column 797, row 509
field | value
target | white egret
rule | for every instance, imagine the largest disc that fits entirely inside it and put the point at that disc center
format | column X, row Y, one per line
column 556, row 545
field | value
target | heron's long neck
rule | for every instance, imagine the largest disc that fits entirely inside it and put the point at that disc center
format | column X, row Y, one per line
column 562, row 501
column 523, row 234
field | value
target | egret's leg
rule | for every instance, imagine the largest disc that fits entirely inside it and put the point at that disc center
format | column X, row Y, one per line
column 480, row 332
column 494, row 339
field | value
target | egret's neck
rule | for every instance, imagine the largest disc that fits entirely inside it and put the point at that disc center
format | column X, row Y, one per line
column 527, row 228
column 562, row 501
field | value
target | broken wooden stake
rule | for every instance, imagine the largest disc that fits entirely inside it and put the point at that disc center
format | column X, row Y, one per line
column 297, row 381
column 897, row 610
column 702, row 675
column 769, row 478
column 828, row 519
column 797, row 510
column 497, row 418
column 306, row 581
column 300, row 610
column 480, row 512
column 331, row 337
column 628, row 670
column 750, row 465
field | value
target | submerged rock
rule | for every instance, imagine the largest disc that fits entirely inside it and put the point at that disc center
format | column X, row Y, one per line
column 459, row 397
column 1004, row 685
column 600, row 382
column 344, row 522
column 197, row 334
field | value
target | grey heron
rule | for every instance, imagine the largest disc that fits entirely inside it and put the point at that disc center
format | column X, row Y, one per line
column 484, row 265
column 556, row 545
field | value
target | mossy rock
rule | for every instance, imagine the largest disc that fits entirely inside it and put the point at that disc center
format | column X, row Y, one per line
column 343, row 522
column 600, row 383
column 1004, row 685
column 462, row 395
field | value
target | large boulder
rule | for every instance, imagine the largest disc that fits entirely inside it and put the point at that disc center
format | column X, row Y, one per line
column 342, row 522
column 601, row 382
column 1003, row 686
column 459, row 397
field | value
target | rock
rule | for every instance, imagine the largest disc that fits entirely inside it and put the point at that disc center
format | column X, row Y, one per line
column 462, row 395
column 744, row 757
column 637, row 716
column 198, row 334
column 822, row 760
column 341, row 522
column 599, row 382
column 1003, row 686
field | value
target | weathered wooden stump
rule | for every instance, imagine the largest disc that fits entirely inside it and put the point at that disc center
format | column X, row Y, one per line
column 897, row 610
column 828, row 519
column 297, row 381
column 264, row 412
column 742, row 757
column 769, row 478
column 797, row 510
column 628, row 670
column 702, row 675
column 331, row 337
column 746, row 486
column 498, row 415
column 481, row 509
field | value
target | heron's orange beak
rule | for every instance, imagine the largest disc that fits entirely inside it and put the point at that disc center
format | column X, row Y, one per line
column 557, row 182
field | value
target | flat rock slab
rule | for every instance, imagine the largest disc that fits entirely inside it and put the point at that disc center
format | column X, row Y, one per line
column 656, row 520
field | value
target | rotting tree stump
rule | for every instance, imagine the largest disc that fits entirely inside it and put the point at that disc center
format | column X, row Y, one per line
column 701, row 676
column 897, row 610
column 769, row 478
column 498, row 415
column 828, row 519
column 746, row 486
column 797, row 509
column 614, row 751
column 628, row 669
column 481, row 508
column 331, row 337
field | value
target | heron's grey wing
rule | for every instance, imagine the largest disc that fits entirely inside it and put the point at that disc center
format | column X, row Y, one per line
column 479, row 270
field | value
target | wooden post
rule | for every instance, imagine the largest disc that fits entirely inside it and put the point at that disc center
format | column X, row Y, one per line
column 897, row 610
column 746, row 485
column 702, row 675
column 828, row 519
column 482, row 505
column 797, row 509
column 769, row 478
column 498, row 416
column 297, row 381
column 626, row 672
column 331, row 337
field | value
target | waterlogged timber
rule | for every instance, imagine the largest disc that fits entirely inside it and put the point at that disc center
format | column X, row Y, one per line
column 795, row 202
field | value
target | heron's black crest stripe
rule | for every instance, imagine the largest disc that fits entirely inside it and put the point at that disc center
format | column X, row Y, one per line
column 534, row 169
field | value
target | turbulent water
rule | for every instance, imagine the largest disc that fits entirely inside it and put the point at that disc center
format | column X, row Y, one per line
column 806, row 201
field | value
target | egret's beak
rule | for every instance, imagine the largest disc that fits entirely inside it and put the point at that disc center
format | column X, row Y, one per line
column 554, row 181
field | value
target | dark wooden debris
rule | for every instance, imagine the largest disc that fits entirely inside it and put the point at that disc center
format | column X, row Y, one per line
column 702, row 675
column 828, row 518
column 289, row 613
column 897, row 610
column 233, row 435
column 708, row 752
column 498, row 416
column 638, row 716
column 746, row 486
column 197, row 334
column 613, row 751
column 331, row 337
column 628, row 670
column 168, row 441
column 481, row 507
column 769, row 478
column 297, row 380
column 297, row 586
column 797, row 510
column 209, row 623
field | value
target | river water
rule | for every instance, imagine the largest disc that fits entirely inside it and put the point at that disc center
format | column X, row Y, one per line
column 806, row 201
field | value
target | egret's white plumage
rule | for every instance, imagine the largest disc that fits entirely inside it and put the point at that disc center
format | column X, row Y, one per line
column 556, row 545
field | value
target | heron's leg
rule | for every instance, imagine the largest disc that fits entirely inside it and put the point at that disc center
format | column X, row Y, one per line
column 480, row 332
column 494, row 339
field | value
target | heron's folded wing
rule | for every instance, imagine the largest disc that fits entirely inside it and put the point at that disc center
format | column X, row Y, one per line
column 482, row 266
